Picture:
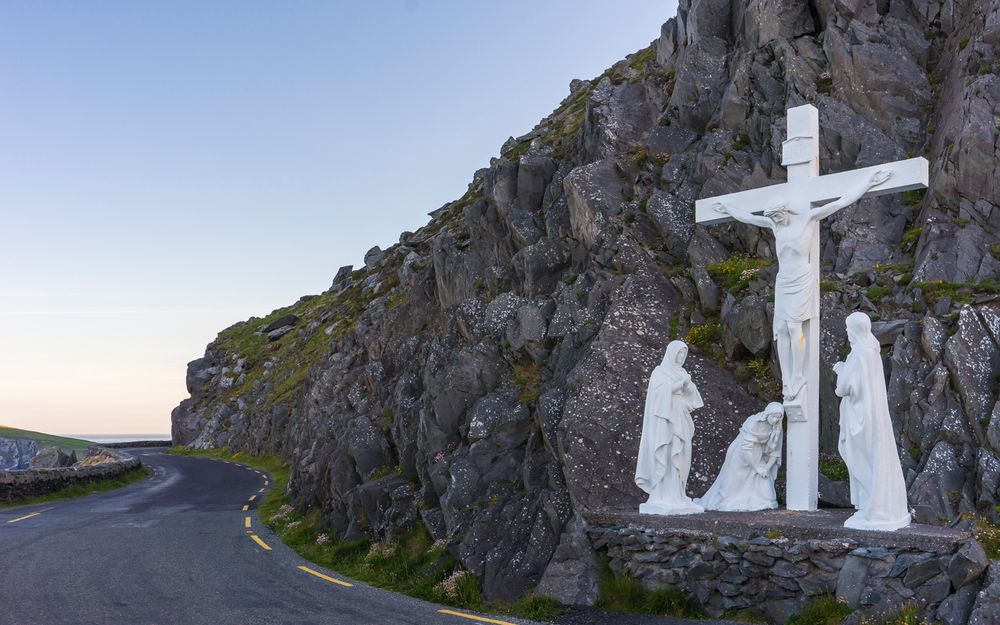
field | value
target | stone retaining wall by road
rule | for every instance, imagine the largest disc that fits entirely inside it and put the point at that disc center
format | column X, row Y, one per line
column 939, row 569
column 15, row 485
column 129, row 444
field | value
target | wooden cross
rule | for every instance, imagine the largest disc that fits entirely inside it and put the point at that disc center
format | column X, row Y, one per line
column 806, row 190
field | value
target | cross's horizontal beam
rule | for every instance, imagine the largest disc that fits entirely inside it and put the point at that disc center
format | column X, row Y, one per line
column 906, row 176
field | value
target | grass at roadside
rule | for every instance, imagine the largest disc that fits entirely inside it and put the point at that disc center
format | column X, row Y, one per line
column 413, row 564
column 81, row 490
column 624, row 593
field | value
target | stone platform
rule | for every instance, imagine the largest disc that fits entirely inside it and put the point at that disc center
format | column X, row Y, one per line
column 777, row 560
column 821, row 524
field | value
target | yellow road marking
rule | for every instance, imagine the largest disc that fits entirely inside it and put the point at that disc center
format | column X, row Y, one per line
column 246, row 522
column 28, row 516
column 253, row 497
column 260, row 542
column 246, row 507
column 473, row 617
column 326, row 577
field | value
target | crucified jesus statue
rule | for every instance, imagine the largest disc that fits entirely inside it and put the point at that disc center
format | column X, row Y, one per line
column 796, row 293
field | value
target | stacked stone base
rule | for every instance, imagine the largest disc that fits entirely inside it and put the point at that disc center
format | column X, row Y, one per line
column 15, row 485
column 778, row 561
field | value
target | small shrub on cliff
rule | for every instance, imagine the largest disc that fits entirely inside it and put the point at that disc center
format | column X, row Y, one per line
column 767, row 384
column 705, row 336
column 737, row 272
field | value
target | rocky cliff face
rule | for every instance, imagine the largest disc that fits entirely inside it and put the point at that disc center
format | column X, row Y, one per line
column 485, row 375
column 16, row 453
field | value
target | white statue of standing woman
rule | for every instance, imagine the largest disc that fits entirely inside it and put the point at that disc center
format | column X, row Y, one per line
column 867, row 443
column 746, row 481
column 667, row 431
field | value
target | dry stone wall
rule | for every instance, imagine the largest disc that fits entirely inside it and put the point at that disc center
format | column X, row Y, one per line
column 15, row 485
column 725, row 570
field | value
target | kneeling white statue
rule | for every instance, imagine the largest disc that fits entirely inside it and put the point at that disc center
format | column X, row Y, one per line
column 667, row 431
column 867, row 443
column 746, row 481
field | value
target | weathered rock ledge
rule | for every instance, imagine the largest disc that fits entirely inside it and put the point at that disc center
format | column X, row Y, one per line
column 16, row 485
column 776, row 561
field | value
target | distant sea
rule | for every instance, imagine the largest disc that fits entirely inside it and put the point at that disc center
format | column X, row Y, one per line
column 121, row 438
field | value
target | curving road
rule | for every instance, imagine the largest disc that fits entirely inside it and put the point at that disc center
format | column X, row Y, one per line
column 174, row 549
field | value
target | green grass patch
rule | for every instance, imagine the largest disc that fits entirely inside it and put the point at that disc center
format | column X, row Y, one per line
column 908, row 614
column 825, row 610
column 829, row 286
column 962, row 292
column 413, row 563
column 528, row 379
column 834, row 468
column 915, row 196
column 988, row 536
column 84, row 489
column 737, row 272
column 705, row 336
column 767, row 384
column 911, row 236
column 642, row 59
column 46, row 440
column 877, row 293
column 626, row 594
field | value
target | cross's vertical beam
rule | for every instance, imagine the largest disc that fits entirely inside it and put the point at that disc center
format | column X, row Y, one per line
column 802, row 456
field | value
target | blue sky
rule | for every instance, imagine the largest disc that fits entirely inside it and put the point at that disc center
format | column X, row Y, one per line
column 170, row 168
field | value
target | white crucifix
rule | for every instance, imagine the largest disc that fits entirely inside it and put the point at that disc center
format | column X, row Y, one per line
column 793, row 211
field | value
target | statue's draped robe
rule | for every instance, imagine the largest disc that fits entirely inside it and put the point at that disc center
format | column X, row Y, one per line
column 867, row 443
column 667, row 431
column 739, row 486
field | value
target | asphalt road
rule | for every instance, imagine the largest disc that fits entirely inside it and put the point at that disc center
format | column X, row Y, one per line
column 173, row 550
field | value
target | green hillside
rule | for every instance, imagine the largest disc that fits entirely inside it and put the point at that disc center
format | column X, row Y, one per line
column 47, row 440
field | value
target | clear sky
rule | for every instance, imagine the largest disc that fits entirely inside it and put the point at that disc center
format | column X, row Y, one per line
column 170, row 168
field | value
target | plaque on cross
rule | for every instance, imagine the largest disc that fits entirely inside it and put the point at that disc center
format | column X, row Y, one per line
column 793, row 211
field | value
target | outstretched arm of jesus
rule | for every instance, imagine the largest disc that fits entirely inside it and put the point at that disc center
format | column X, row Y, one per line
column 851, row 196
column 743, row 216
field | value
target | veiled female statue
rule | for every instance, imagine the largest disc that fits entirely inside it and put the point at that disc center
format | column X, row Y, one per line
column 746, row 481
column 667, row 431
column 867, row 443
